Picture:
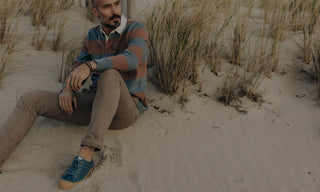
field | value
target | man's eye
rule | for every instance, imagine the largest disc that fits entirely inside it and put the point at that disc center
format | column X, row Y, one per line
column 117, row 3
column 106, row 6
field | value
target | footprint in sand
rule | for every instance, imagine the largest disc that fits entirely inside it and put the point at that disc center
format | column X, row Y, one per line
column 110, row 152
column 163, row 132
column 157, row 127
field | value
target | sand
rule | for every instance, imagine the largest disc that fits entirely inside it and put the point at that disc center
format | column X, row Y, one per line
column 203, row 147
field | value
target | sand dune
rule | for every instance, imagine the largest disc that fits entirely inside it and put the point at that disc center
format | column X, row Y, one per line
column 204, row 147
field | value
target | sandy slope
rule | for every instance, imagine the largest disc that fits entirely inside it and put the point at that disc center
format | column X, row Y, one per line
column 204, row 147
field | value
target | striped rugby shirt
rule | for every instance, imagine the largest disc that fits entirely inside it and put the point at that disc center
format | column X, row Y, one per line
column 125, row 50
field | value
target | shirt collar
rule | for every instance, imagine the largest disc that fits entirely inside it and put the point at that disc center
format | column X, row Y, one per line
column 118, row 29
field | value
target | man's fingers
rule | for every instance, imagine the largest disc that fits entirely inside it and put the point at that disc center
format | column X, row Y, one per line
column 72, row 82
column 77, row 76
column 63, row 105
column 75, row 102
column 60, row 104
column 79, row 84
column 76, row 83
column 69, row 105
column 75, row 88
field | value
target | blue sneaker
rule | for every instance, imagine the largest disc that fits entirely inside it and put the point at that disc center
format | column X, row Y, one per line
column 78, row 170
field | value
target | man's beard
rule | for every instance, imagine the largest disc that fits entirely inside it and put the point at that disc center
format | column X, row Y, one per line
column 116, row 24
column 111, row 26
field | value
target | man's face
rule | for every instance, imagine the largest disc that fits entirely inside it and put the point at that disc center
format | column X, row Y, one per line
column 108, row 12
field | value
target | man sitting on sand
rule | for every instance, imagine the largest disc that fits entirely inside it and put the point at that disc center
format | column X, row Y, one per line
column 115, row 55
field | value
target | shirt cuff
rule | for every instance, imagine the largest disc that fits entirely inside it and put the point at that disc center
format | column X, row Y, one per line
column 103, row 64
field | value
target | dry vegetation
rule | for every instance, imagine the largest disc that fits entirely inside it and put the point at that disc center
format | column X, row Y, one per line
column 316, row 59
column 47, row 15
column 10, row 11
column 304, row 17
column 239, row 40
column 263, row 58
column 177, row 30
column 176, row 57
column 245, row 80
column 59, row 22
column 185, row 34
column 89, row 6
column 311, row 17
column 254, row 55
column 69, row 56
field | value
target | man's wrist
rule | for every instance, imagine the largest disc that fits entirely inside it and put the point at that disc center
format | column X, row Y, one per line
column 94, row 65
column 66, row 88
column 88, row 64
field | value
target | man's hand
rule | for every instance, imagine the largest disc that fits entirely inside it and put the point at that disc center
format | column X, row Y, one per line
column 66, row 98
column 77, row 76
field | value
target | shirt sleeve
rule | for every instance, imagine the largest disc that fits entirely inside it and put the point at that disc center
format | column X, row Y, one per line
column 135, row 53
column 82, row 57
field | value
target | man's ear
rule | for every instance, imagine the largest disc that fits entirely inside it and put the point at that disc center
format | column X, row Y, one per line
column 94, row 11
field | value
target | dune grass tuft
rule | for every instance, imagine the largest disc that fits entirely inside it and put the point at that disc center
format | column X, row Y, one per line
column 10, row 30
column 69, row 57
column 89, row 6
column 239, row 40
column 47, row 15
column 311, row 17
column 177, row 30
column 244, row 81
column 9, row 11
column 40, row 12
column 316, row 59
column 59, row 22
column 304, row 17
column 7, row 49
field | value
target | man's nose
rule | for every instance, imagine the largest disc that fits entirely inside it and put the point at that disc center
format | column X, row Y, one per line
column 112, row 9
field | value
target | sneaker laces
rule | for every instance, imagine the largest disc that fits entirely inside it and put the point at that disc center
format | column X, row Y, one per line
column 74, row 169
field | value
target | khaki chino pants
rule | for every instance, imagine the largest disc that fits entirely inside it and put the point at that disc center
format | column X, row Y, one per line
column 110, row 106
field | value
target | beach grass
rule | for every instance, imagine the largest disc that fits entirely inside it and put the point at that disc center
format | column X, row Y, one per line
column 59, row 23
column 48, row 15
column 89, row 7
column 185, row 34
column 311, row 17
column 262, row 54
column 244, row 81
column 69, row 57
column 316, row 59
column 177, row 30
column 10, row 35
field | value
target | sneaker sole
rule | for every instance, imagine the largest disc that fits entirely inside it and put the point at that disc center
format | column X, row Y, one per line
column 64, row 185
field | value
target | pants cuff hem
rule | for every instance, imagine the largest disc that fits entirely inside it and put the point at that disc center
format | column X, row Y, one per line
column 91, row 143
